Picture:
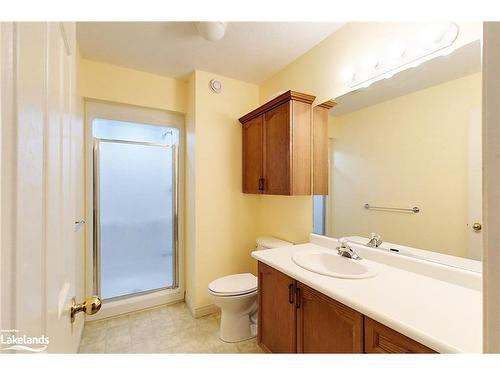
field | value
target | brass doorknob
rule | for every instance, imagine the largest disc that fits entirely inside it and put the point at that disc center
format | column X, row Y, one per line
column 90, row 306
column 477, row 227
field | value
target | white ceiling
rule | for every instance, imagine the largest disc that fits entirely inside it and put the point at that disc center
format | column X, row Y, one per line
column 250, row 51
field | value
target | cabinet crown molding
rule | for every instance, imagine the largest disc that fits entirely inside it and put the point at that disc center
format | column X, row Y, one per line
column 287, row 96
column 329, row 104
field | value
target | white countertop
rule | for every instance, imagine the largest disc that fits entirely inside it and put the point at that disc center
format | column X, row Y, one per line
column 444, row 315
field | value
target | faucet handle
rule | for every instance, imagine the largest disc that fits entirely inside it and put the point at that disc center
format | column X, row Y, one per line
column 343, row 242
column 375, row 236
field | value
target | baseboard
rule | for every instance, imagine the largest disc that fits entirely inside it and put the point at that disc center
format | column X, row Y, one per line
column 198, row 312
column 189, row 303
column 137, row 303
column 205, row 310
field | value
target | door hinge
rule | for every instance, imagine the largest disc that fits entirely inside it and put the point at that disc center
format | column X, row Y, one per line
column 261, row 184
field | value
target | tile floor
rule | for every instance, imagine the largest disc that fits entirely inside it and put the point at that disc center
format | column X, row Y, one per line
column 167, row 329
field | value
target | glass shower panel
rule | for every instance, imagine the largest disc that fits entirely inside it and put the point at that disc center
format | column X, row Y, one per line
column 136, row 218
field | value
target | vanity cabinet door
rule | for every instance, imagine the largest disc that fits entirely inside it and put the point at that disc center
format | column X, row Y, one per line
column 382, row 339
column 253, row 181
column 276, row 324
column 325, row 325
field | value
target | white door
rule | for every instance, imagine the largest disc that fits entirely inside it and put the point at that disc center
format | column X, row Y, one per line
column 39, row 174
column 475, row 186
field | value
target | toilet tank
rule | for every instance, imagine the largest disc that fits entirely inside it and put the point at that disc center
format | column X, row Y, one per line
column 263, row 243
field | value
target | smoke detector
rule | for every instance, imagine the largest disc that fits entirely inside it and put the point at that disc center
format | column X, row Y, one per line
column 211, row 31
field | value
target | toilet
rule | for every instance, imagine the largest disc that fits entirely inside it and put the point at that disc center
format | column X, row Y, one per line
column 236, row 296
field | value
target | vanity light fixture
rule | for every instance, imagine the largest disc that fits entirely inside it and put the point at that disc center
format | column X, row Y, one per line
column 411, row 52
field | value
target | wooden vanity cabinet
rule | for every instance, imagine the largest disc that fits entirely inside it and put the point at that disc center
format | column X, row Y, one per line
column 325, row 325
column 294, row 318
column 276, row 316
column 382, row 339
column 277, row 148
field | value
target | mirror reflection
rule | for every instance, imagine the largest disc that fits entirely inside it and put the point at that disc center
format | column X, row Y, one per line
column 405, row 161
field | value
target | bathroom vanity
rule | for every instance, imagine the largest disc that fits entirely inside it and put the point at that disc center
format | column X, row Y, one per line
column 405, row 306
column 295, row 318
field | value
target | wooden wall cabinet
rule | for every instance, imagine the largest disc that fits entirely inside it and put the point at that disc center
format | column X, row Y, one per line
column 294, row 318
column 277, row 148
column 320, row 147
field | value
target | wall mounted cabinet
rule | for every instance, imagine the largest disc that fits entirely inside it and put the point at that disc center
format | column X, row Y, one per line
column 277, row 146
column 320, row 147
column 294, row 318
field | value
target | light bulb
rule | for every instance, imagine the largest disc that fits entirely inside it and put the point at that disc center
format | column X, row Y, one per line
column 348, row 74
column 397, row 50
column 432, row 34
column 370, row 63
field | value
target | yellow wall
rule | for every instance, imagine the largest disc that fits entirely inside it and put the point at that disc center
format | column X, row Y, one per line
column 225, row 218
column 411, row 150
column 190, row 190
column 318, row 72
column 220, row 221
column 122, row 85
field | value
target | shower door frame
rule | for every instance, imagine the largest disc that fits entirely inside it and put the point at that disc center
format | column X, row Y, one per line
column 129, row 113
column 97, row 213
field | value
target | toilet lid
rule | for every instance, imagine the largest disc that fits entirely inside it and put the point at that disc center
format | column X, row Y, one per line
column 241, row 283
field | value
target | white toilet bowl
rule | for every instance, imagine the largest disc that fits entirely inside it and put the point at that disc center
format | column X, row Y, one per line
column 236, row 295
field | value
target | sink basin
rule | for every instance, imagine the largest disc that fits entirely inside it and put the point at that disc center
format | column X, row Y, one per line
column 331, row 264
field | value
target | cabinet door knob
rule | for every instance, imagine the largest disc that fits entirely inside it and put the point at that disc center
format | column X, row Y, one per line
column 477, row 227
column 261, row 184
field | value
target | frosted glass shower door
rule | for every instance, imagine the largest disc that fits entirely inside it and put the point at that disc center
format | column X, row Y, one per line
column 135, row 201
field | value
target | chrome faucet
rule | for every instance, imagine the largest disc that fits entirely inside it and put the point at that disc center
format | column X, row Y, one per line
column 345, row 250
column 375, row 240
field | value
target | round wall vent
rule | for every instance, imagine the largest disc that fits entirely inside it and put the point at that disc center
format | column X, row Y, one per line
column 215, row 86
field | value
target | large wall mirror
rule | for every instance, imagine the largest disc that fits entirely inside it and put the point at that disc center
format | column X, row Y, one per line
column 405, row 160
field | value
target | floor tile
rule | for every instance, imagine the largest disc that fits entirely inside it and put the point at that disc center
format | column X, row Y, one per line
column 166, row 329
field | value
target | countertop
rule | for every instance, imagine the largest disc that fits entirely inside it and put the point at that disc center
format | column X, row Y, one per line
column 444, row 315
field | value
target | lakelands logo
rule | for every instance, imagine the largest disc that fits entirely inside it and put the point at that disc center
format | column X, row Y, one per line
column 11, row 340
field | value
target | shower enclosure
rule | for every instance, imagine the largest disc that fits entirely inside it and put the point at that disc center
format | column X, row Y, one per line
column 135, row 208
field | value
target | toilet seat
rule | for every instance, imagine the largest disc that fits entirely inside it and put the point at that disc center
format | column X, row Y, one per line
column 233, row 285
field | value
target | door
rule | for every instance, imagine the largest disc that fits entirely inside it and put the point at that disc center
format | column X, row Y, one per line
column 277, row 150
column 39, row 128
column 252, row 156
column 135, row 202
column 325, row 325
column 276, row 328
column 475, row 186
